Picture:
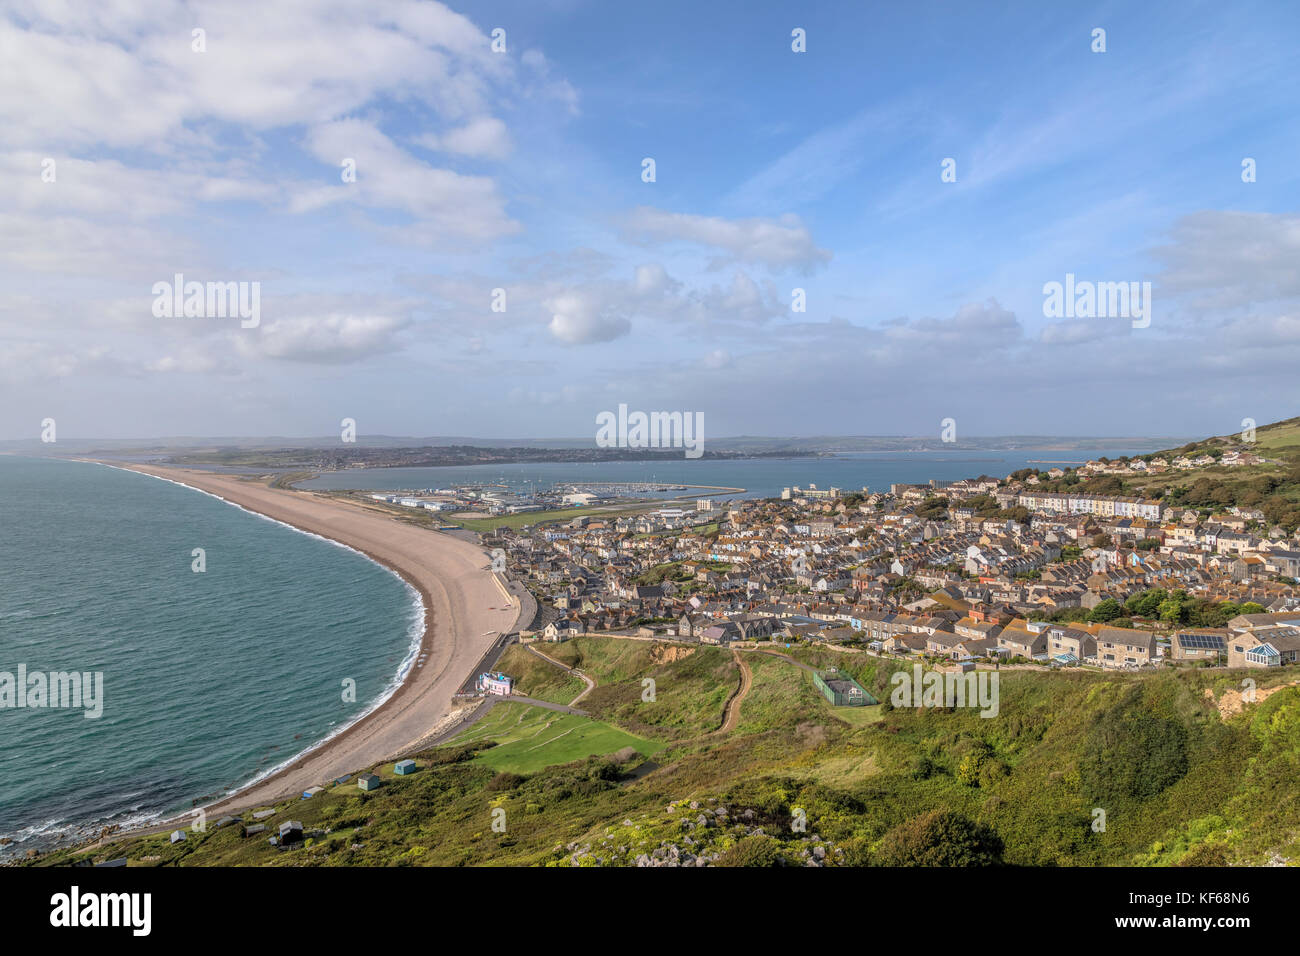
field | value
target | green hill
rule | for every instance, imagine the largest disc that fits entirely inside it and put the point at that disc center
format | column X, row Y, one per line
column 1178, row 781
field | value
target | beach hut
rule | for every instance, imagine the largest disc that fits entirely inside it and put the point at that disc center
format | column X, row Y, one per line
column 343, row 779
column 178, row 836
column 254, row 829
column 402, row 768
column 311, row 792
column 368, row 781
column 120, row 861
column 290, row 831
column 225, row 821
column 263, row 814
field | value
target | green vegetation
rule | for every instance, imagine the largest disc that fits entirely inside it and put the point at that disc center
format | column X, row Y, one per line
column 673, row 571
column 691, row 684
column 1178, row 782
column 537, row 679
column 529, row 738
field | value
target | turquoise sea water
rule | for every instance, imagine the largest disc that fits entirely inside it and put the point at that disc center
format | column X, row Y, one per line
column 210, row 679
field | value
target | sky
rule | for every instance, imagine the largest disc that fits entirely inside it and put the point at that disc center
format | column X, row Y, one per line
column 503, row 265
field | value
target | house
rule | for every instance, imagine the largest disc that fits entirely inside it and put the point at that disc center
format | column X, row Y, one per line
column 562, row 630
column 1201, row 643
column 942, row 642
column 1064, row 640
column 1020, row 642
column 1265, row 647
column 904, row 643
column 1124, row 647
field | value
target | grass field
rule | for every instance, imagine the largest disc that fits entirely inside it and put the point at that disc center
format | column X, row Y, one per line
column 530, row 738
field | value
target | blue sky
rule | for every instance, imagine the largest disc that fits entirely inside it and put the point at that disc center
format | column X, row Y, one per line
column 775, row 170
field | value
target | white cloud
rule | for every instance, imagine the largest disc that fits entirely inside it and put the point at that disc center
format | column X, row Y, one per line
column 453, row 205
column 327, row 339
column 484, row 137
column 579, row 318
column 776, row 243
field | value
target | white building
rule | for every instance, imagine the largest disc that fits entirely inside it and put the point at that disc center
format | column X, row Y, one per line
column 496, row 684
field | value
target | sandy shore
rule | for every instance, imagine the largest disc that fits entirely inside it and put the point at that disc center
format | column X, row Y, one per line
column 465, row 611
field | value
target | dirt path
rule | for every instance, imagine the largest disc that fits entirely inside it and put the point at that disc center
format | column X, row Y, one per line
column 591, row 684
column 731, row 709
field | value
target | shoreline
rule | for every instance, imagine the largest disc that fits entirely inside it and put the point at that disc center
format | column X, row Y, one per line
column 454, row 587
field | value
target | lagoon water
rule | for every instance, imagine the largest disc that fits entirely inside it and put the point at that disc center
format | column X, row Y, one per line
column 760, row 477
column 210, row 679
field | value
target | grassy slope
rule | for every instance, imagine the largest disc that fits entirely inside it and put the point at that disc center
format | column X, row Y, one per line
column 529, row 739
column 537, row 679
column 1230, row 797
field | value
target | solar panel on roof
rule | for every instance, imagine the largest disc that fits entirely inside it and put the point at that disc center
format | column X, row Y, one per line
column 1202, row 641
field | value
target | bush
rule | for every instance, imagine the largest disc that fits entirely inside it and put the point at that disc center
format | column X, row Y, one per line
column 940, row 838
column 505, row 781
column 922, row 768
column 1129, row 756
column 751, row 851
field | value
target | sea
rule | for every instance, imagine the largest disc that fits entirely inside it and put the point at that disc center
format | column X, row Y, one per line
column 211, row 679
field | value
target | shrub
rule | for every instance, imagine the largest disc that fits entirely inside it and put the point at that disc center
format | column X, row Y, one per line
column 940, row 838
column 751, row 851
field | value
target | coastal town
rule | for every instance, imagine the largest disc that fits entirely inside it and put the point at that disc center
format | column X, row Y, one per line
column 975, row 572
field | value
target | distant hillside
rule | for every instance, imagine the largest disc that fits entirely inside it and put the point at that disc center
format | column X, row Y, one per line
column 1272, row 488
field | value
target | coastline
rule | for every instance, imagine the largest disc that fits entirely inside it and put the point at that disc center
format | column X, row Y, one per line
column 462, row 617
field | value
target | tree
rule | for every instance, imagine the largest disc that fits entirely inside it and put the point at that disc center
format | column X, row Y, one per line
column 1106, row 610
column 1146, row 603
